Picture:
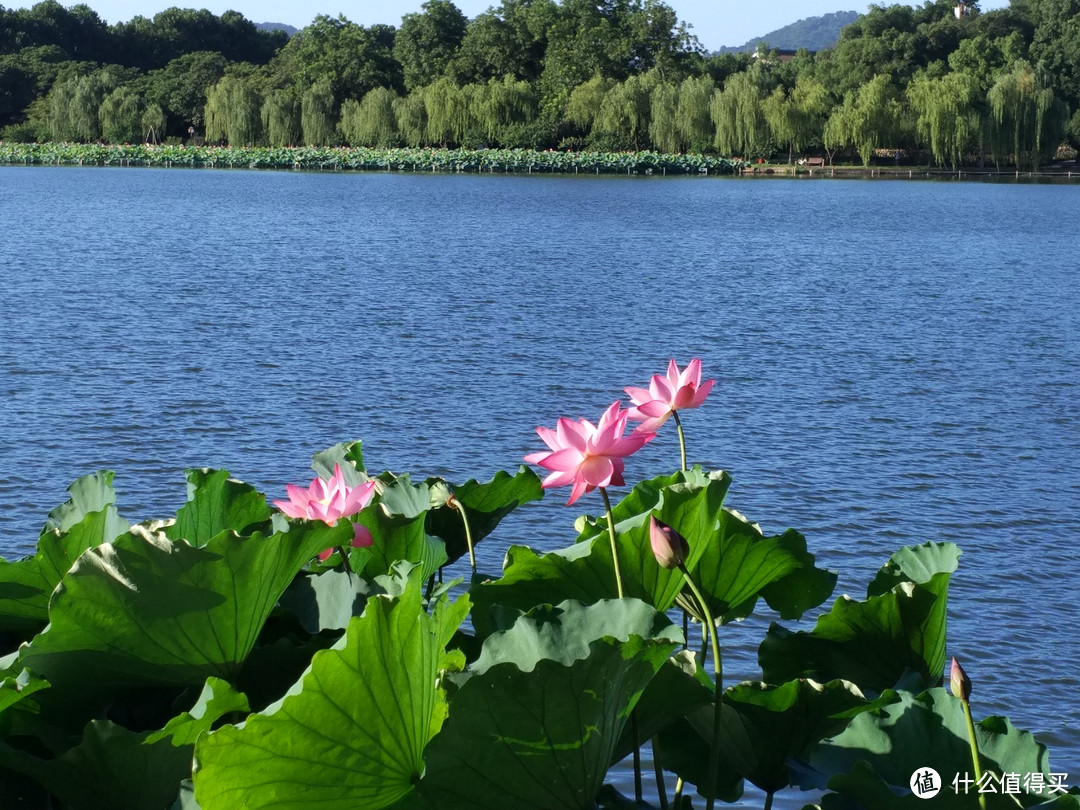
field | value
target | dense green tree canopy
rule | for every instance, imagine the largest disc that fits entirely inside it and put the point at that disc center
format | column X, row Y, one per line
column 351, row 58
column 426, row 43
column 610, row 74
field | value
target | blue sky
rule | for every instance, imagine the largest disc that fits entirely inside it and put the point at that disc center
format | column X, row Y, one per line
column 716, row 22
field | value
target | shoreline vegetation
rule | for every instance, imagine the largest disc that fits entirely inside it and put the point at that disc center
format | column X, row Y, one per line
column 946, row 82
column 505, row 161
column 481, row 161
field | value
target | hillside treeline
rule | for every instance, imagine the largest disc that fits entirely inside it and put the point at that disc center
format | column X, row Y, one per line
column 1000, row 86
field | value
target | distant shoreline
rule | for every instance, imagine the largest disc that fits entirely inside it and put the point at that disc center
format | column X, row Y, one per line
column 484, row 161
column 493, row 161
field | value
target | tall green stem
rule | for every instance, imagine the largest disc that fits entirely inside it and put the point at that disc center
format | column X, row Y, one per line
column 614, row 544
column 718, row 675
column 619, row 590
column 974, row 750
column 658, row 768
column 682, row 439
column 639, row 792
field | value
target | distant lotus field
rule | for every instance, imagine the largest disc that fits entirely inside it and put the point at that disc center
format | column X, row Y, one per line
column 365, row 159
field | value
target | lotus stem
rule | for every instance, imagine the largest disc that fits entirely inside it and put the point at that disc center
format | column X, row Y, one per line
column 619, row 590
column 457, row 506
column 718, row 675
column 658, row 769
column 639, row 792
column 682, row 439
column 678, row 793
column 974, row 749
column 614, row 543
column 768, row 801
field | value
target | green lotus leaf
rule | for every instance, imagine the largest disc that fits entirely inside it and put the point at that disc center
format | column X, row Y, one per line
column 537, row 723
column 916, row 564
column 636, row 506
column 217, row 699
column 217, row 503
column 685, row 753
column 564, row 632
column 271, row 669
column 584, row 572
column 111, row 768
column 348, row 456
column 739, row 564
column 762, row 726
column 325, row 601
column 149, row 610
column 91, row 493
column 16, row 687
column 680, row 686
column 352, row 732
column 871, row 643
column 87, row 519
column 397, row 536
column 870, row 763
column 401, row 498
column 731, row 559
column 485, row 505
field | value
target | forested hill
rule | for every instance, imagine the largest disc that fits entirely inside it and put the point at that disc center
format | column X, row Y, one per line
column 812, row 33
column 273, row 26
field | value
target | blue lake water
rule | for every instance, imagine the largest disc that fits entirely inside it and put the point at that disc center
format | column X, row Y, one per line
column 896, row 362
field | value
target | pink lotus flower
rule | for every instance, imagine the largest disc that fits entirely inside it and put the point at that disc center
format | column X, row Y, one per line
column 588, row 456
column 327, row 501
column 675, row 392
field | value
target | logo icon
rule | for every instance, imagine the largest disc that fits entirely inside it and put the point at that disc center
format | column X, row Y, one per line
column 925, row 783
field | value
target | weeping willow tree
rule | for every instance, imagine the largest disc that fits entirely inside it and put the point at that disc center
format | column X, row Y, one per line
column 449, row 116
column 370, row 121
column 625, row 111
column 1028, row 119
column 502, row 105
column 738, row 113
column 947, row 115
column 318, row 117
column 796, row 118
column 869, row 117
column 233, row 112
column 663, row 130
column 281, row 118
column 60, row 103
column 73, row 106
column 411, row 116
column 584, row 103
column 120, row 116
column 693, row 120
column 153, row 122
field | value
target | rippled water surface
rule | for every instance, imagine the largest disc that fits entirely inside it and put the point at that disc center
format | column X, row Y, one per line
column 897, row 362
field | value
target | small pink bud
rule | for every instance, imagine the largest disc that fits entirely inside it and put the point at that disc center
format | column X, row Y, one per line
column 668, row 546
column 361, row 536
column 959, row 682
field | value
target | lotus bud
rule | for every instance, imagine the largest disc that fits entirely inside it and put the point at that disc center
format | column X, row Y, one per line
column 668, row 546
column 959, row 682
